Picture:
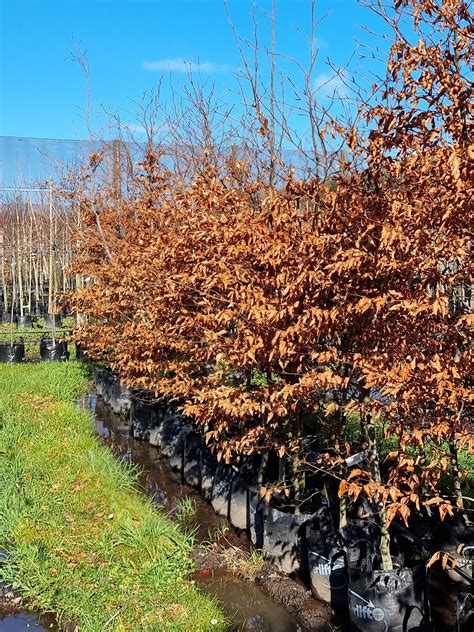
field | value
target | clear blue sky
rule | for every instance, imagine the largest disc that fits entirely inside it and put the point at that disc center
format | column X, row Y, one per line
column 129, row 43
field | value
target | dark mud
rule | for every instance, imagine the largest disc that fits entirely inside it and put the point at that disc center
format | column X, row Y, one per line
column 312, row 614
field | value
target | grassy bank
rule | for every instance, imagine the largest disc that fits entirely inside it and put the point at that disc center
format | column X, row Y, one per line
column 82, row 542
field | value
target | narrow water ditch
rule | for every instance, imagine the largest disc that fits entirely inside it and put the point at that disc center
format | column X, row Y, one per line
column 244, row 603
column 14, row 619
column 19, row 622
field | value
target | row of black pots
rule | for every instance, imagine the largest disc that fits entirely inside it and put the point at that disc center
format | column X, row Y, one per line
column 24, row 322
column 341, row 565
column 109, row 387
column 50, row 349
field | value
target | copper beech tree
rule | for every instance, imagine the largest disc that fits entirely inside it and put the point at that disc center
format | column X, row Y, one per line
column 274, row 314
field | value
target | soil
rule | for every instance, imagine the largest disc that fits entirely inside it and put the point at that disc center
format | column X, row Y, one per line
column 311, row 614
column 10, row 604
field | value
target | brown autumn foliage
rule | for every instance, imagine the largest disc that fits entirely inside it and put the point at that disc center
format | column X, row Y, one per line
column 274, row 313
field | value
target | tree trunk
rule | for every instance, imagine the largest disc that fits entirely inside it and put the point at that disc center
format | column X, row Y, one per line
column 386, row 558
column 51, row 251
column 4, row 280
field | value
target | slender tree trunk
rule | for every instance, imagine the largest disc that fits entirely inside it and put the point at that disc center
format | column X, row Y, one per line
column 30, row 266
column 19, row 258
column 386, row 558
column 261, row 470
column 457, row 475
column 13, row 299
column 37, row 283
column 4, row 280
column 51, row 251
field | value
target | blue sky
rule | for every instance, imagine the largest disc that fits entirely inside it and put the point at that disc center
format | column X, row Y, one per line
column 130, row 43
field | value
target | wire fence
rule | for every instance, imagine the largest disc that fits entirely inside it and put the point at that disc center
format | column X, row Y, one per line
column 28, row 164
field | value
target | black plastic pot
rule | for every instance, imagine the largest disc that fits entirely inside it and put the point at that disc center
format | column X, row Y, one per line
column 257, row 510
column 283, row 538
column 208, row 466
column 327, row 559
column 382, row 601
column 52, row 349
column 49, row 320
column 221, row 486
column 192, row 459
column 12, row 354
column 25, row 321
column 244, row 478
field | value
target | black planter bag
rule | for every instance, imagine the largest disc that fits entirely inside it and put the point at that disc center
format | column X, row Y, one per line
column 192, row 459
column 81, row 354
column 54, row 350
column 359, row 542
column 99, row 381
column 381, row 601
column 221, row 486
column 174, row 430
column 49, row 320
column 465, row 613
column 208, row 466
column 119, row 398
column 244, row 478
column 283, row 539
column 143, row 418
column 8, row 318
column 326, row 559
column 12, row 354
column 109, row 387
column 257, row 509
column 456, row 537
column 25, row 321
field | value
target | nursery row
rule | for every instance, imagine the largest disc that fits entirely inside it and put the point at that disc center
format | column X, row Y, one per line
column 39, row 320
column 36, row 249
column 47, row 349
column 46, row 341
column 320, row 324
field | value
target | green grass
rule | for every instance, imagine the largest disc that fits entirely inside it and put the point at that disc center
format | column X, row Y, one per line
column 81, row 541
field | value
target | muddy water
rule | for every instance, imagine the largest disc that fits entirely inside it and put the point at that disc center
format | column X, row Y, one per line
column 19, row 623
column 244, row 603
column 247, row 606
column 13, row 619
